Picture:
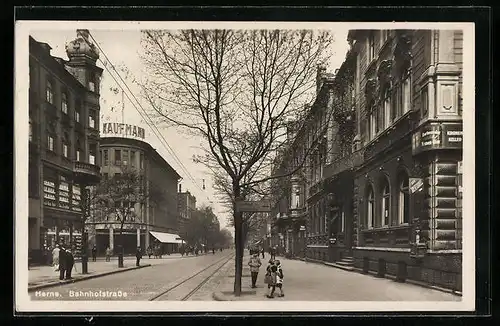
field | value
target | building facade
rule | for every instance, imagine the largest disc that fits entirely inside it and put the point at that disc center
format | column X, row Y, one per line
column 407, row 188
column 63, row 142
column 186, row 206
column 154, row 220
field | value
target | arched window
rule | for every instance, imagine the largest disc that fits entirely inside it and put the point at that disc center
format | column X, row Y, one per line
column 386, row 196
column 404, row 200
column 387, row 108
column 370, row 209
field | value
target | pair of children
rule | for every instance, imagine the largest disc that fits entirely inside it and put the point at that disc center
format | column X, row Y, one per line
column 274, row 272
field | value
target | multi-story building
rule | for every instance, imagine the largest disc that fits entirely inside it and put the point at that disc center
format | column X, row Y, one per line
column 407, row 188
column 186, row 205
column 63, row 141
column 153, row 216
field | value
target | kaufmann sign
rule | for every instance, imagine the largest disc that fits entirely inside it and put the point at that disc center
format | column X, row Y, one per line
column 113, row 129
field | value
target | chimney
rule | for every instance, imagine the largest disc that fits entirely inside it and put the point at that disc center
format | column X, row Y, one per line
column 180, row 187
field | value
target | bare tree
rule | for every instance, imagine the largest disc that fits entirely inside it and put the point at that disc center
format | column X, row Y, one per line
column 237, row 90
column 116, row 199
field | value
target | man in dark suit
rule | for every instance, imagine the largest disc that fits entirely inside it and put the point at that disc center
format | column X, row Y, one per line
column 62, row 262
column 70, row 261
column 138, row 256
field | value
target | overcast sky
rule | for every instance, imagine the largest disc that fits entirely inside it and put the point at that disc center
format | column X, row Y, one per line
column 121, row 48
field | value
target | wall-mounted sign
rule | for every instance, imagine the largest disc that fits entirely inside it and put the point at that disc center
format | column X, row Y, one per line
column 416, row 184
column 437, row 136
column 122, row 130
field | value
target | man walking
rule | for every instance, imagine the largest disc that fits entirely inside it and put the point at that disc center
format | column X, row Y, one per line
column 94, row 253
column 70, row 261
column 254, row 264
column 138, row 256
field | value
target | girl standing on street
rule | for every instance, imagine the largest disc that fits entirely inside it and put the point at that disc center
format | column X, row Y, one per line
column 279, row 277
column 254, row 264
column 271, row 279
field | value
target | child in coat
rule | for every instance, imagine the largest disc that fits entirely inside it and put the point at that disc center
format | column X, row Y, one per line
column 279, row 277
column 271, row 274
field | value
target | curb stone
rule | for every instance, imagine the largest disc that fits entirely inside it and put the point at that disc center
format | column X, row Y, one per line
column 83, row 278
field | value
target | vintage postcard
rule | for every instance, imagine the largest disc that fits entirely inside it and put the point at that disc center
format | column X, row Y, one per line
column 275, row 166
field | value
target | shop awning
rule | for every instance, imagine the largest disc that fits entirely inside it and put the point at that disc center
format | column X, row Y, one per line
column 166, row 237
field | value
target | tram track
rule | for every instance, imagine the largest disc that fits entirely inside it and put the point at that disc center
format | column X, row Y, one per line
column 184, row 297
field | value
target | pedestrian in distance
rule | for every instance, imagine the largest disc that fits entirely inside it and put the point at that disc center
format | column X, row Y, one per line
column 70, row 262
column 273, row 253
column 279, row 277
column 263, row 253
column 62, row 262
column 94, row 253
column 254, row 264
column 138, row 256
column 55, row 258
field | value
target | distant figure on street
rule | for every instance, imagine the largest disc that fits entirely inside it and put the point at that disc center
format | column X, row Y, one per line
column 55, row 258
column 254, row 264
column 213, row 251
column 273, row 252
column 263, row 253
column 109, row 252
column 62, row 262
column 94, row 253
column 138, row 256
column 70, row 261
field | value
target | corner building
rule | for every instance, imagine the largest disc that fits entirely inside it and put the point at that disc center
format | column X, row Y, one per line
column 154, row 222
column 408, row 184
column 63, row 142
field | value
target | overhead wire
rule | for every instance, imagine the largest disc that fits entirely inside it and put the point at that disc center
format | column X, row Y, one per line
column 144, row 114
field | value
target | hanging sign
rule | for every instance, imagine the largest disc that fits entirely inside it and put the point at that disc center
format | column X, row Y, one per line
column 416, row 184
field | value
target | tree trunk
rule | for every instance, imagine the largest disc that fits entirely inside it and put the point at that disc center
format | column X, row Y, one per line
column 238, row 242
column 238, row 245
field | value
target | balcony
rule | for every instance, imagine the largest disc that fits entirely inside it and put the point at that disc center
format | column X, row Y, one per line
column 345, row 163
column 86, row 173
column 296, row 213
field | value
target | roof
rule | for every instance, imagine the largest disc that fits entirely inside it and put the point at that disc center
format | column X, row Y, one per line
column 110, row 141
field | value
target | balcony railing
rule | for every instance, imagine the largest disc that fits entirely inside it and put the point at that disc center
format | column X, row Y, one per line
column 86, row 172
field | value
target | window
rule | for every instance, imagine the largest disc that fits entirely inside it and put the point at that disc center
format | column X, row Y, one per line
column 425, row 102
column 78, row 151
column 77, row 110
column 92, row 154
column 50, row 142
column 132, row 158
column 31, row 129
column 385, row 204
column 92, row 121
column 372, row 125
column 371, row 47
column 49, row 93
column 64, row 103
column 342, row 222
column 106, row 157
column 141, row 161
column 404, row 200
column 371, row 209
column 379, row 122
column 118, row 157
column 406, row 95
column 387, row 110
column 125, row 158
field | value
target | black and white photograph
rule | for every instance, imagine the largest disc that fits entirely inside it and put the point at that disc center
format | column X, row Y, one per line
column 233, row 166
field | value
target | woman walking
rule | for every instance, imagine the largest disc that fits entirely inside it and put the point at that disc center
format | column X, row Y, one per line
column 271, row 279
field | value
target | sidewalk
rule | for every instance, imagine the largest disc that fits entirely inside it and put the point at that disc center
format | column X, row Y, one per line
column 305, row 281
column 40, row 277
